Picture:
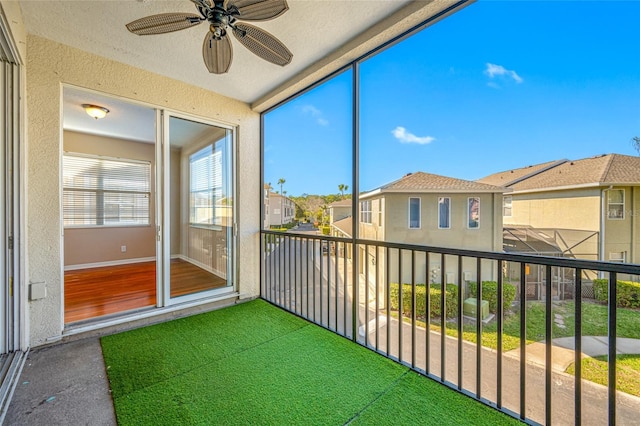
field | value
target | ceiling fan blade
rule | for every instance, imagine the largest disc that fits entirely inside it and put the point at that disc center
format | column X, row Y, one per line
column 163, row 23
column 204, row 3
column 262, row 44
column 257, row 10
column 217, row 53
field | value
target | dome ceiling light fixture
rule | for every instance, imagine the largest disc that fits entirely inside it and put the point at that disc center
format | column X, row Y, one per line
column 95, row 111
column 223, row 17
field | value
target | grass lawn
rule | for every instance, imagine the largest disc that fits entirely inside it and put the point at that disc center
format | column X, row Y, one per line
column 627, row 372
column 594, row 323
column 256, row 364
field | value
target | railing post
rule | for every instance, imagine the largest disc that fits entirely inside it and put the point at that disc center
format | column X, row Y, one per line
column 578, row 345
column 548, row 343
column 613, row 320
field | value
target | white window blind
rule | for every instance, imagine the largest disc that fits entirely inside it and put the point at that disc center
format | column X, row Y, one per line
column 206, row 187
column 100, row 191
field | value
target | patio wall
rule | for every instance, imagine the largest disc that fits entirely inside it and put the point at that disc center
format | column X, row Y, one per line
column 49, row 65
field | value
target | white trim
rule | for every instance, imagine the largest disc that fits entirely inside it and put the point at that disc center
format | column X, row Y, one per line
column 434, row 191
column 504, row 204
column 594, row 185
column 609, row 203
column 109, row 263
column 152, row 312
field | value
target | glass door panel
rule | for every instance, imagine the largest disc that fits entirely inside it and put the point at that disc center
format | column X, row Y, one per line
column 199, row 209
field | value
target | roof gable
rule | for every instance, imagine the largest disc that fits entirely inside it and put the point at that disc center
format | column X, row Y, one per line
column 428, row 182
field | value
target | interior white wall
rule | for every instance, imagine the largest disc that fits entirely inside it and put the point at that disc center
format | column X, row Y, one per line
column 49, row 65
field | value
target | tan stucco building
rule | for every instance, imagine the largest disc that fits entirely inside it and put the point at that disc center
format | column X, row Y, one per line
column 600, row 195
column 432, row 210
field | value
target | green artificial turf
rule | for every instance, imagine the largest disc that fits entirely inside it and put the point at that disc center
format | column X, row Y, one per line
column 256, row 364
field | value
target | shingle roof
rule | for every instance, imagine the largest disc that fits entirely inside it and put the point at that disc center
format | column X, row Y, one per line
column 509, row 177
column 427, row 182
column 341, row 203
column 345, row 225
column 597, row 171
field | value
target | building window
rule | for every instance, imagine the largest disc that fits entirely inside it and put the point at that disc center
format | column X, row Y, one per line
column 473, row 212
column 365, row 211
column 100, row 191
column 618, row 256
column 206, row 203
column 444, row 212
column 414, row 213
column 615, row 203
column 507, row 200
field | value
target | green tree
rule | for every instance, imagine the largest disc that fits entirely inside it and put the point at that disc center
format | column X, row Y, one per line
column 281, row 182
column 342, row 187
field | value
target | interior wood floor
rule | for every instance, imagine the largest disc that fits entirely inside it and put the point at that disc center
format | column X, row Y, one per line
column 94, row 292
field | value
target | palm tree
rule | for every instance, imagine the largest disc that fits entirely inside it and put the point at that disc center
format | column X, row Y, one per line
column 281, row 182
column 342, row 187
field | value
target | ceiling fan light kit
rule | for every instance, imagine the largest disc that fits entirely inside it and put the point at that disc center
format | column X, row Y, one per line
column 217, row 51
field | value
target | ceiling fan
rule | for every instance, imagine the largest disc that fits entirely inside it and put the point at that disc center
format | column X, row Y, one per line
column 222, row 14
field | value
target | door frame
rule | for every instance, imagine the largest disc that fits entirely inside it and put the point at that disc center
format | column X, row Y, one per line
column 162, row 193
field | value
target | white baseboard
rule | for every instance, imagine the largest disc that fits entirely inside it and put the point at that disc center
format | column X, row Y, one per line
column 108, row 263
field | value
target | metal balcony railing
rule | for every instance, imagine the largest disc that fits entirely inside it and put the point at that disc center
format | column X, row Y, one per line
column 388, row 297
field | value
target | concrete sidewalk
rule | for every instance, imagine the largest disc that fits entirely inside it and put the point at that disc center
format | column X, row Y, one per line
column 564, row 353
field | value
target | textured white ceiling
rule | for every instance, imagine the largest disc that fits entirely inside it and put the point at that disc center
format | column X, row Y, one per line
column 311, row 29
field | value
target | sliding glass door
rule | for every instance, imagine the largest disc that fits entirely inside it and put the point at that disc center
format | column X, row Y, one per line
column 198, row 210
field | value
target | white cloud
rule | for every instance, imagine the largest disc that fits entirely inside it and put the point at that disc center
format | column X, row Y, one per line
column 494, row 70
column 315, row 113
column 403, row 136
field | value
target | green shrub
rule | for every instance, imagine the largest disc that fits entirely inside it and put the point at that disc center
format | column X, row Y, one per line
column 490, row 293
column 451, row 299
column 326, row 230
column 628, row 292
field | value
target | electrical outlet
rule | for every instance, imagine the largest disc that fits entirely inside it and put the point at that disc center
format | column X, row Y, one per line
column 123, row 249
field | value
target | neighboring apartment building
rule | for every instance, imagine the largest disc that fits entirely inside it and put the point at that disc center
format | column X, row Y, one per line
column 266, row 192
column 282, row 209
column 340, row 218
column 433, row 210
column 599, row 195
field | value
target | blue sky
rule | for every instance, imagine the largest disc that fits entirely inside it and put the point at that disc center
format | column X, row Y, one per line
column 496, row 86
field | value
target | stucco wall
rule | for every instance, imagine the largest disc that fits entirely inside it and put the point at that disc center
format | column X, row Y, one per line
column 458, row 236
column 49, row 65
column 577, row 209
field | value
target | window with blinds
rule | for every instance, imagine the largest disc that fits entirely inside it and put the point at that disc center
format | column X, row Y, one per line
column 206, row 203
column 101, row 191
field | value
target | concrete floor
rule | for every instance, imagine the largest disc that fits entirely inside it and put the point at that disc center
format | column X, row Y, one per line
column 64, row 384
